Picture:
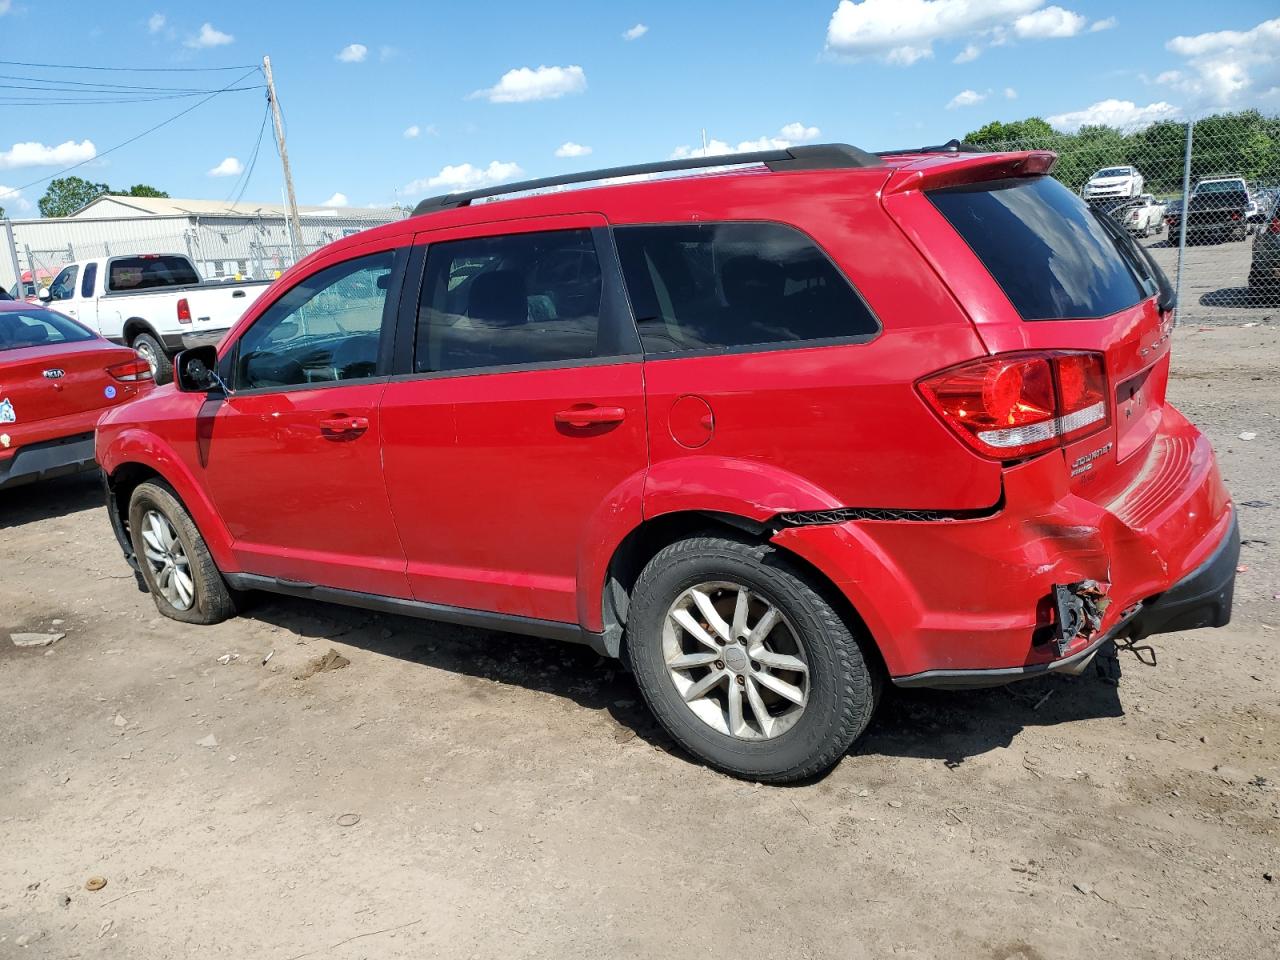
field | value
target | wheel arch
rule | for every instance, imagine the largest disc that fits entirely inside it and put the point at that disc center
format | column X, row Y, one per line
column 134, row 326
column 137, row 456
column 647, row 539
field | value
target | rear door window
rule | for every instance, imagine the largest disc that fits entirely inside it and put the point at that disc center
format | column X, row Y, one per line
column 716, row 286
column 1048, row 251
column 144, row 273
column 524, row 298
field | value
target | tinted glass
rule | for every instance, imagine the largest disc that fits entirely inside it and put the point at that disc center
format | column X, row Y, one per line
column 1219, row 186
column 64, row 284
column 325, row 329
column 142, row 273
column 1050, row 254
column 716, row 285
column 1114, row 172
column 499, row 301
column 6, row 295
column 90, row 277
column 35, row 327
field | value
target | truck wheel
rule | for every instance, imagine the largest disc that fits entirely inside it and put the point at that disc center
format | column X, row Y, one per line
column 177, row 567
column 149, row 349
column 745, row 663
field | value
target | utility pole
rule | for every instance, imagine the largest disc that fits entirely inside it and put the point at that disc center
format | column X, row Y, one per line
column 295, row 225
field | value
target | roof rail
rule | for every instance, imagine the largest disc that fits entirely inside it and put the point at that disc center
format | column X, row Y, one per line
column 820, row 156
column 951, row 146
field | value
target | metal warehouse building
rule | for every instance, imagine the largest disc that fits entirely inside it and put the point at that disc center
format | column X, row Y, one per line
column 246, row 240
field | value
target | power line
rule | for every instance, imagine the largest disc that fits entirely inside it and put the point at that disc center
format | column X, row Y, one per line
column 82, row 101
column 243, row 183
column 72, row 66
column 102, row 84
column 150, row 130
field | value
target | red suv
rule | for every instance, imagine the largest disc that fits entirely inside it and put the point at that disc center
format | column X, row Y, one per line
column 771, row 434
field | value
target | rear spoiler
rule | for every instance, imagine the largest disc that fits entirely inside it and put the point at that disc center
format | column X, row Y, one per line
column 950, row 170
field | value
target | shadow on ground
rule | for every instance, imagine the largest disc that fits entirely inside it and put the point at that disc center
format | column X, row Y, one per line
column 945, row 725
column 52, row 498
column 1240, row 297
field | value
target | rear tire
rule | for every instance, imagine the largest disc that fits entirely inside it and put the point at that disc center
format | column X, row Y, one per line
column 807, row 645
column 175, row 562
column 149, row 348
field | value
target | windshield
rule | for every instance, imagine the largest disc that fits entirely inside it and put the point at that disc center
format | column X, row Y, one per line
column 36, row 328
column 1221, row 186
column 1113, row 172
column 1049, row 252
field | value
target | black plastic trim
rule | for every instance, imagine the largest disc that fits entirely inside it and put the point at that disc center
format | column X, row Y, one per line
column 820, row 156
column 483, row 619
column 838, row 515
column 48, row 459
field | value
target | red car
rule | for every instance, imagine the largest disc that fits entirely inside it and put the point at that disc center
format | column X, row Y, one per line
column 773, row 435
column 56, row 379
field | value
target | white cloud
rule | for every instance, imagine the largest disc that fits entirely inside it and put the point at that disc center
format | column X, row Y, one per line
column 156, row 22
column 1228, row 68
column 352, row 53
column 32, row 154
column 1049, row 23
column 1010, row 93
column 799, row 133
column 571, row 149
column 412, row 132
column 10, row 197
column 788, row 136
column 4, row 7
column 1113, row 113
column 337, row 200
column 635, row 33
column 903, row 31
column 966, row 98
column 209, row 36
column 464, row 176
column 230, row 167
column 545, row 83
column 971, row 52
column 1099, row 25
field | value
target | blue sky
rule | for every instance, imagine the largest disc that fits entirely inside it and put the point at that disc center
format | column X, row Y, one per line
column 388, row 101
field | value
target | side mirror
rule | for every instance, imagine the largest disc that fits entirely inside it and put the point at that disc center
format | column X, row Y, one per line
column 44, row 293
column 195, row 371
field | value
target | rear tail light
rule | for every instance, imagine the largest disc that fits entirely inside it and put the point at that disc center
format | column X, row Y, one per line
column 184, row 311
column 1274, row 225
column 131, row 371
column 1014, row 405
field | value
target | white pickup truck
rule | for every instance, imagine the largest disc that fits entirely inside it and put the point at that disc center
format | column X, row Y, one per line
column 153, row 302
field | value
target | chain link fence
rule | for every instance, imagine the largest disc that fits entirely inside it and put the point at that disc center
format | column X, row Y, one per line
column 222, row 247
column 1222, row 245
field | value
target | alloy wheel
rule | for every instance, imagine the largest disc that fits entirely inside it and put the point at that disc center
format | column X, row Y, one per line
column 170, row 566
column 736, row 660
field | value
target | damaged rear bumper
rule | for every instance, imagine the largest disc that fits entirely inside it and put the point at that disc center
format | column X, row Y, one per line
column 974, row 597
column 1200, row 599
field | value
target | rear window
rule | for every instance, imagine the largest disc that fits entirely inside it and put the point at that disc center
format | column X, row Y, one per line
column 144, row 273
column 1048, row 251
column 35, row 328
column 727, row 285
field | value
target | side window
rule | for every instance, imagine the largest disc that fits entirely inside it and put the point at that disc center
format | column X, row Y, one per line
column 64, row 284
column 722, row 285
column 324, row 329
column 517, row 299
column 90, row 278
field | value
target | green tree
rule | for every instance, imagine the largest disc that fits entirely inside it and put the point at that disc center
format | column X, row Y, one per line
column 1009, row 135
column 141, row 190
column 66, row 195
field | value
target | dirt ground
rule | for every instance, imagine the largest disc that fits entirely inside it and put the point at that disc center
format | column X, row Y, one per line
column 456, row 793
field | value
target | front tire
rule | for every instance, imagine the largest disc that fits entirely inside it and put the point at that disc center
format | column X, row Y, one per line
column 746, row 663
column 150, row 350
column 175, row 562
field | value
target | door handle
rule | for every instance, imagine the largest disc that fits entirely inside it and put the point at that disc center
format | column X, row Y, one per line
column 344, row 427
column 590, row 416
